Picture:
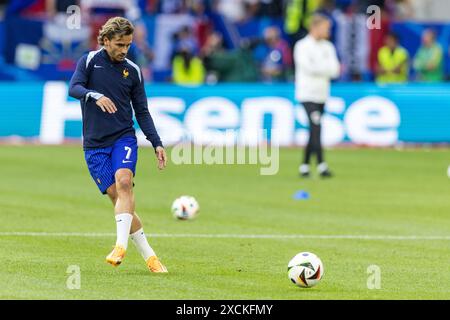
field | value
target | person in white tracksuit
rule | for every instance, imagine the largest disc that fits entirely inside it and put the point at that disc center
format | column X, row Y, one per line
column 316, row 63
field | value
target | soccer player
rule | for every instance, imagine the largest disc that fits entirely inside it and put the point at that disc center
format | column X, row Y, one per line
column 110, row 87
column 316, row 63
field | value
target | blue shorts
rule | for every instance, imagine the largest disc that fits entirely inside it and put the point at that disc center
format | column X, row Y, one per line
column 104, row 162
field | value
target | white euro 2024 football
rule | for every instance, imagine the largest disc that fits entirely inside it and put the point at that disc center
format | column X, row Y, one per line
column 305, row 269
column 185, row 208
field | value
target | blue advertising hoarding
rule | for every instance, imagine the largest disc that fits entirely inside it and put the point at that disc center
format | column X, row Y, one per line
column 365, row 114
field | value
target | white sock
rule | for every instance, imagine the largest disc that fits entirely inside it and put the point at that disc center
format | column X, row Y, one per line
column 322, row 167
column 123, row 222
column 304, row 168
column 140, row 241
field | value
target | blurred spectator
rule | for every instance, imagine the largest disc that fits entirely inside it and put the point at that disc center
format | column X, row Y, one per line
column 125, row 8
column 428, row 62
column 57, row 35
column 3, row 4
column 328, row 8
column 148, row 7
column 430, row 10
column 404, row 10
column 185, row 38
column 172, row 6
column 298, row 18
column 343, row 5
column 362, row 5
column 57, row 7
column 97, row 12
column 236, row 65
column 155, row 6
column 352, row 41
column 141, row 53
column 377, row 37
column 187, row 68
column 393, row 62
column 396, row 9
column 277, row 63
column 266, row 57
column 31, row 8
column 271, row 8
column 252, row 8
column 203, row 26
column 236, row 10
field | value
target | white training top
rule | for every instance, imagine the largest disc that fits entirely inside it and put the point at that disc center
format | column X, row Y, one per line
column 316, row 63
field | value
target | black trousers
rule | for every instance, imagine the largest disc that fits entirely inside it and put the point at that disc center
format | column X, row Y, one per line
column 314, row 146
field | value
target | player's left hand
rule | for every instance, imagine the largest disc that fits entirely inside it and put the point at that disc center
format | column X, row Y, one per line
column 162, row 157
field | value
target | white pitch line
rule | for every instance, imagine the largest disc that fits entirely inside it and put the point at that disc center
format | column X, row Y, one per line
column 231, row 236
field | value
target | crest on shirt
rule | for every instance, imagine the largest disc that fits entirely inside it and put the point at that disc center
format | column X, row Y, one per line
column 125, row 73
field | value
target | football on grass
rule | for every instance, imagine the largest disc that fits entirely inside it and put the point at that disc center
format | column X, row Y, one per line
column 305, row 269
column 185, row 208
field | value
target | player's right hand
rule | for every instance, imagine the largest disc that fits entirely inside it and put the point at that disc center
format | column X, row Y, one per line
column 162, row 157
column 106, row 105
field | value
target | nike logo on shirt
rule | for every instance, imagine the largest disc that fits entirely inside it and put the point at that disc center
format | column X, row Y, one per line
column 96, row 66
column 123, row 161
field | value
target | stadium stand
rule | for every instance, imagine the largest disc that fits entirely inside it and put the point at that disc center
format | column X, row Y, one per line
column 41, row 47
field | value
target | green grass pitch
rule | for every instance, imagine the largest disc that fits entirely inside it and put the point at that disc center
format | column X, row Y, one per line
column 375, row 192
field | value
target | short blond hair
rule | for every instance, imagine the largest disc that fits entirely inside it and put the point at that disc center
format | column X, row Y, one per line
column 318, row 18
column 116, row 26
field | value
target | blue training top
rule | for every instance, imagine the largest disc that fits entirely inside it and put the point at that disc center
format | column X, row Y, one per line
column 96, row 76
